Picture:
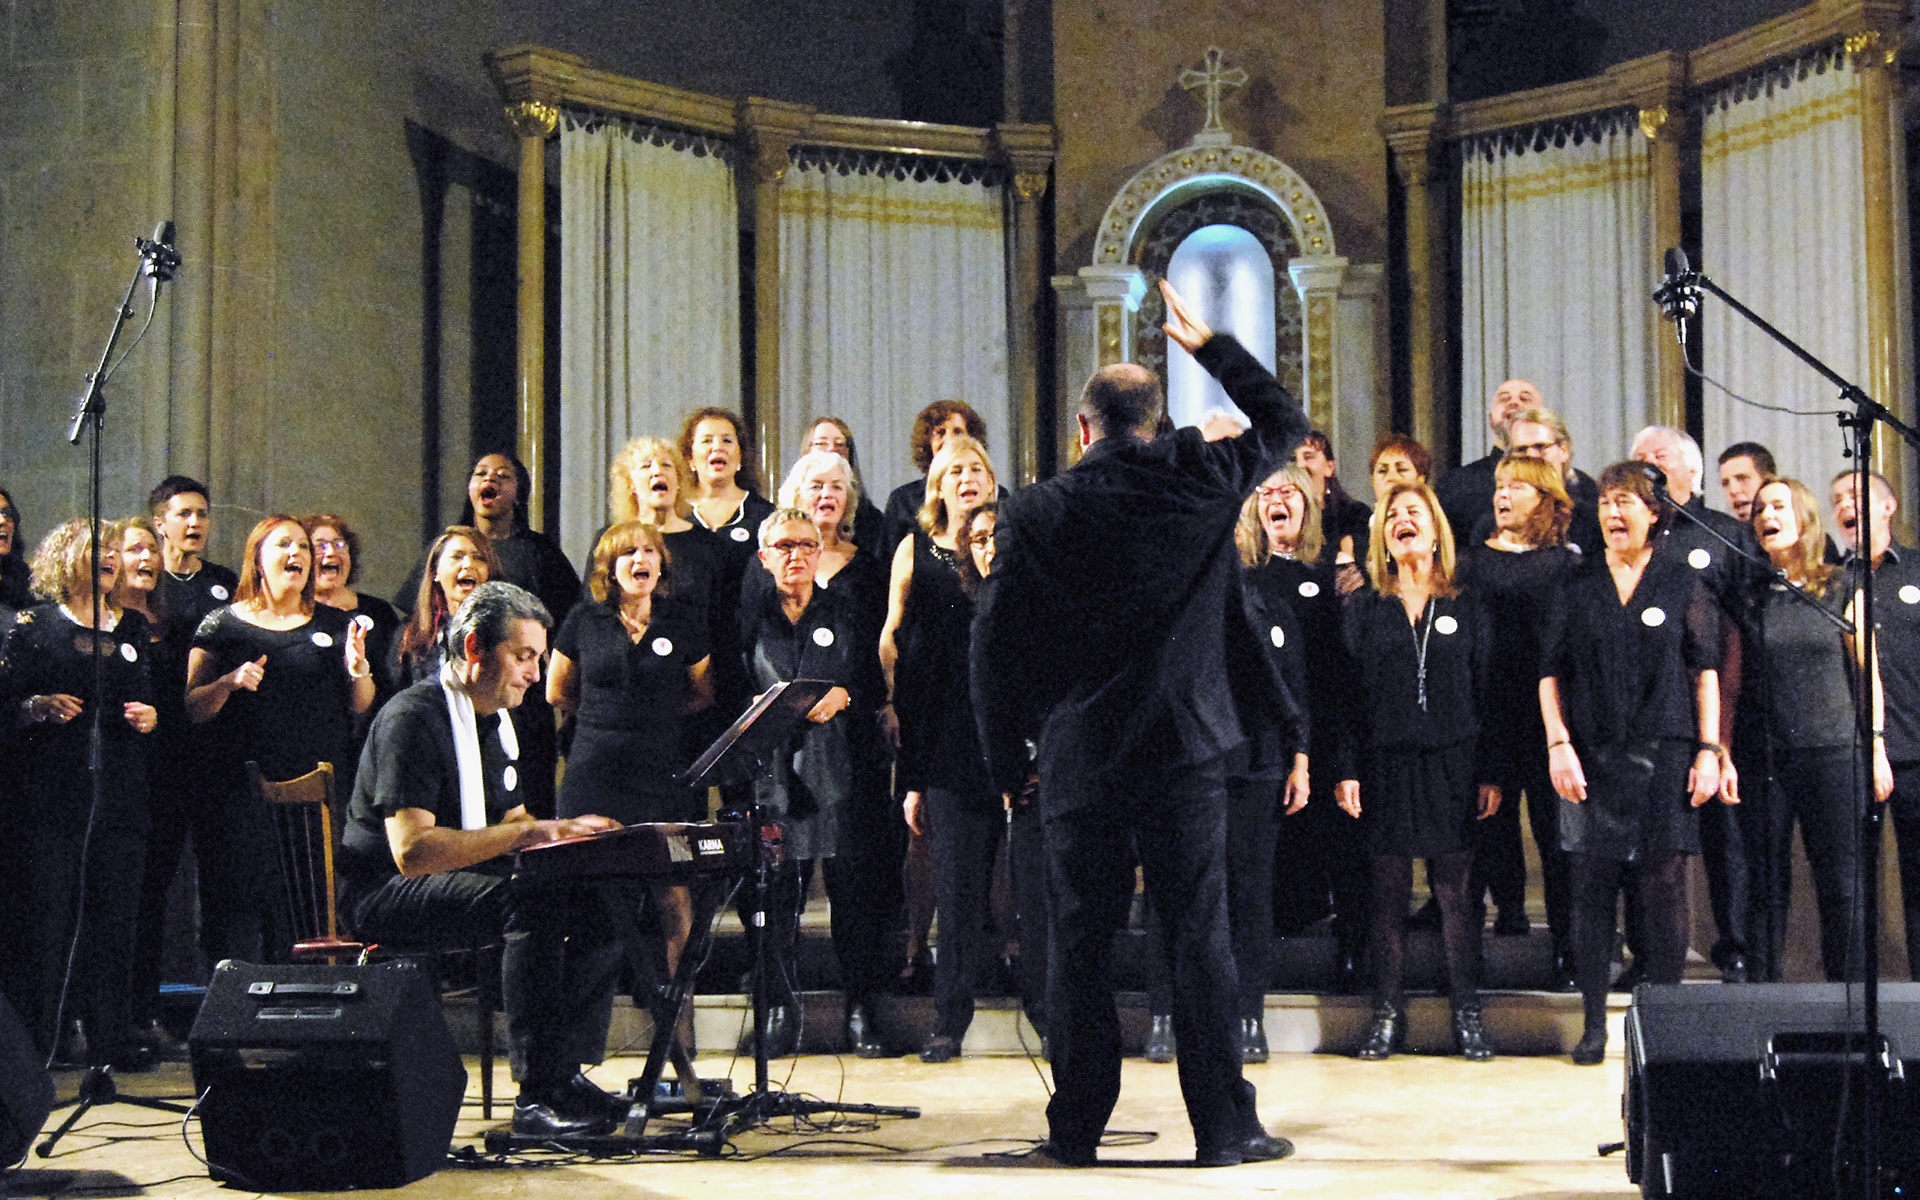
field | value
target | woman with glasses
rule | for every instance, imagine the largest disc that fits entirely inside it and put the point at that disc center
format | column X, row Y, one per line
column 797, row 630
column 336, row 568
column 949, row 798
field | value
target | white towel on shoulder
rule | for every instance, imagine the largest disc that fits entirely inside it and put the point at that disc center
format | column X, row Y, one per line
column 466, row 748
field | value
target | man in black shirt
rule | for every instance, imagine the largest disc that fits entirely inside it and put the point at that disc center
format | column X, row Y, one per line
column 436, row 814
column 1466, row 492
column 1100, row 636
column 1896, row 616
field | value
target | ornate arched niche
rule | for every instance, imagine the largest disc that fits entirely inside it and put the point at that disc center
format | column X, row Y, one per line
column 1325, row 312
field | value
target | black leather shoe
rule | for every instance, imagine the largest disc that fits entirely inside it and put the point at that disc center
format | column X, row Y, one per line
column 1734, row 969
column 783, row 1034
column 556, row 1113
column 862, row 1039
column 591, row 1095
column 1386, row 1033
column 1253, row 1040
column 1470, row 1032
column 1051, row 1153
column 1261, row 1147
column 940, row 1048
column 1591, row 1050
column 1160, row 1047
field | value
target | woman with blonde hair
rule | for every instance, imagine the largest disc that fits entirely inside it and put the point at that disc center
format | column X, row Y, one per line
column 1795, row 713
column 648, row 482
column 949, row 799
column 1420, row 649
column 1516, row 573
column 77, row 859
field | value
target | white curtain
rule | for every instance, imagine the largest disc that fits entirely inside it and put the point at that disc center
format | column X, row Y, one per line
column 649, row 301
column 1783, row 227
column 893, row 294
column 1556, row 266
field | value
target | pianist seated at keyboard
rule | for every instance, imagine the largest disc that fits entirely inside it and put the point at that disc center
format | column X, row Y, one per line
column 435, row 819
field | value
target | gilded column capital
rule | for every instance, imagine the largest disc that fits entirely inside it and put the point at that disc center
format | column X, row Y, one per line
column 1030, row 185
column 1873, row 48
column 1415, row 133
column 533, row 118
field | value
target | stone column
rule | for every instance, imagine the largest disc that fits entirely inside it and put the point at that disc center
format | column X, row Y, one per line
column 771, row 129
column 533, row 121
column 1416, row 135
column 1665, row 127
column 1028, row 150
column 1359, row 418
column 1094, row 329
column 1317, row 279
column 1883, row 155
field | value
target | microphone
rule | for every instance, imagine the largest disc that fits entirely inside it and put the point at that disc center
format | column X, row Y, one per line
column 158, row 253
column 1677, row 295
column 1655, row 475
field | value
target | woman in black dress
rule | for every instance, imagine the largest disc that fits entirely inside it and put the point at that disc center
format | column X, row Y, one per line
column 873, row 842
column 1419, row 649
column 1515, row 574
column 278, row 681
column 1797, row 694
column 458, row 561
column 1629, row 695
column 949, row 798
column 799, row 631
column 74, row 863
column 336, row 567
column 628, row 673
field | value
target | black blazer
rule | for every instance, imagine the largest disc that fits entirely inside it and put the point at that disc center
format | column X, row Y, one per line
column 1111, row 631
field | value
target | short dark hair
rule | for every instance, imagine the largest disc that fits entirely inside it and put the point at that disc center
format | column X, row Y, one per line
column 490, row 613
column 930, row 418
column 1122, row 398
column 1761, row 456
column 175, row 485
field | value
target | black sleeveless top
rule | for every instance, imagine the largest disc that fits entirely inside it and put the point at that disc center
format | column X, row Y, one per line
column 939, row 746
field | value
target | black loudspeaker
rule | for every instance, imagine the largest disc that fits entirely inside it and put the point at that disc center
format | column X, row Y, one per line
column 1749, row 1090
column 26, row 1090
column 317, row 1078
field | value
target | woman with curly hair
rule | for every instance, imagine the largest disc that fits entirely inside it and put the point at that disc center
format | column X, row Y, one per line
column 79, row 859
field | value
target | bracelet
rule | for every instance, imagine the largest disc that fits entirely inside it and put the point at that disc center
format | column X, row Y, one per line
column 26, row 709
column 1558, row 744
column 366, row 674
column 1719, row 751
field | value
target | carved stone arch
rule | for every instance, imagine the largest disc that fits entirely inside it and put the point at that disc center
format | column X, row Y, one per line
column 1172, row 178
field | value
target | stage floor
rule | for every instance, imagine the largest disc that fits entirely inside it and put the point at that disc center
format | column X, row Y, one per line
column 1415, row 1126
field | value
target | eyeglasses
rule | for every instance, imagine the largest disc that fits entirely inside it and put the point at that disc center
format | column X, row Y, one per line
column 1532, row 449
column 1273, row 493
column 321, row 545
column 790, row 549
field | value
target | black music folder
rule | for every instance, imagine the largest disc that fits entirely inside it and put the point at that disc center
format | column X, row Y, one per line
column 751, row 742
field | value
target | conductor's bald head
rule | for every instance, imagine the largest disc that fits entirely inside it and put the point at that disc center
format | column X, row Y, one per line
column 1118, row 400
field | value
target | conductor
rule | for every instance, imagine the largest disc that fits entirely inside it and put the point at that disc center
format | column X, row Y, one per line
column 1110, row 635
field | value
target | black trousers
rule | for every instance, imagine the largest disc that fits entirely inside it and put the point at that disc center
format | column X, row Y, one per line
column 1658, row 883
column 1178, row 819
column 1253, row 824
column 1499, row 857
column 1723, row 852
column 966, row 836
column 1818, row 790
column 1904, row 806
column 172, row 810
column 559, row 962
column 1027, row 866
column 100, row 992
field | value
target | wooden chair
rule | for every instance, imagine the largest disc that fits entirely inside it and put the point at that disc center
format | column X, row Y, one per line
column 306, row 822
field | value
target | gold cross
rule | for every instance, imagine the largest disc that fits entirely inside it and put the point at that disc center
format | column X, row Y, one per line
column 1213, row 78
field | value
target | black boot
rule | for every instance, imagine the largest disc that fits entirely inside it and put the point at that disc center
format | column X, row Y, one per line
column 1253, row 1040
column 1386, row 1033
column 1470, row 1031
column 863, row 1039
column 783, row 1034
column 1592, row 1047
column 1159, row 1047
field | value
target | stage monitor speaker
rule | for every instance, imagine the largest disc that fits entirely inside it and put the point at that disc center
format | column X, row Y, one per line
column 26, row 1090
column 318, row 1078
column 1746, row 1090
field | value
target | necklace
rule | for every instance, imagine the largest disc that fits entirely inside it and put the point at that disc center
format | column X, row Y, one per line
column 1420, row 649
column 636, row 626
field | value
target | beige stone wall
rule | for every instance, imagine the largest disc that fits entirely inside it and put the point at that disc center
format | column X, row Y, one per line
column 1314, row 96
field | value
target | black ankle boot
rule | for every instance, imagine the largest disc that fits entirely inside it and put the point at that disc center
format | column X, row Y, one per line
column 1386, row 1033
column 1159, row 1047
column 1470, row 1031
column 1253, row 1040
column 1591, row 1050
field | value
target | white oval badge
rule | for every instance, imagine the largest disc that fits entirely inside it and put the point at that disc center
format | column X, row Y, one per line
column 1910, row 594
column 1278, row 636
column 218, row 591
column 1575, row 547
column 823, row 636
column 1447, row 625
column 128, row 652
column 365, row 623
column 662, row 647
column 739, row 533
column 511, row 778
column 1309, row 588
column 322, row 638
column 1653, row 616
column 1699, row 559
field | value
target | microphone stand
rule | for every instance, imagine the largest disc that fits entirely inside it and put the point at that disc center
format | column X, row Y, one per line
column 1679, row 292
column 158, row 260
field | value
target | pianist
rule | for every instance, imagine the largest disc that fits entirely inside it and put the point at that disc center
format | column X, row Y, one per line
column 435, row 817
